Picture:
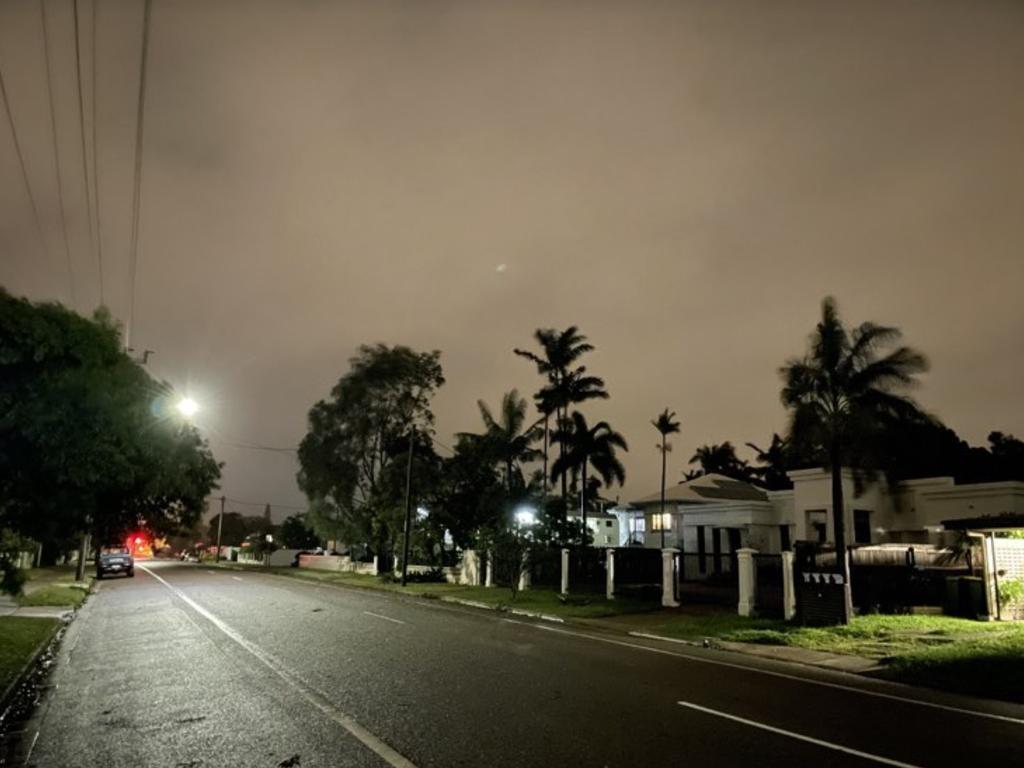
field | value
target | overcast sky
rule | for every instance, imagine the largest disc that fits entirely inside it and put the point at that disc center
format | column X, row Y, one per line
column 683, row 180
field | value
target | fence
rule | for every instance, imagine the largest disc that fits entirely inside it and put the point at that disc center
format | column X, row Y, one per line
column 546, row 567
column 708, row 579
column 587, row 569
column 768, row 572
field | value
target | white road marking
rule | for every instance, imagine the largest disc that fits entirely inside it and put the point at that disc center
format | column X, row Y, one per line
column 770, row 673
column 369, row 740
column 386, row 618
column 799, row 736
column 237, row 578
column 209, row 571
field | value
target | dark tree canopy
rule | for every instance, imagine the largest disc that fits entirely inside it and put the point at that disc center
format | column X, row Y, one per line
column 88, row 442
column 356, row 436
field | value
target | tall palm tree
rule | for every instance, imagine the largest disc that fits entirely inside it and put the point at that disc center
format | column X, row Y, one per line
column 842, row 396
column 508, row 437
column 589, row 446
column 559, row 351
column 666, row 426
column 721, row 460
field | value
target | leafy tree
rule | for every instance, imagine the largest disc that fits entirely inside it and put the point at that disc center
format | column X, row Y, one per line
column 666, row 425
column 470, row 496
column 295, row 534
column 844, row 396
column 720, row 460
column 374, row 412
column 589, row 446
column 235, row 529
column 88, row 442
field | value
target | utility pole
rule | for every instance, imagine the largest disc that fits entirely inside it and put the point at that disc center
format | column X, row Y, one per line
column 220, row 524
column 408, row 507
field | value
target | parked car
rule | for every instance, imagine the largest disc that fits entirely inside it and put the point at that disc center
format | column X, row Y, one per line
column 114, row 560
column 189, row 556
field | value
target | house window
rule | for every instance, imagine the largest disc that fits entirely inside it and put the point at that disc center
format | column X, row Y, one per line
column 607, row 523
column 702, row 547
column 784, row 543
column 817, row 525
column 862, row 526
column 661, row 521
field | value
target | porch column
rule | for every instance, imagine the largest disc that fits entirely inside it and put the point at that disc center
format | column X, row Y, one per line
column 524, row 573
column 747, row 581
column 609, row 587
column 565, row 571
column 788, row 586
column 668, row 577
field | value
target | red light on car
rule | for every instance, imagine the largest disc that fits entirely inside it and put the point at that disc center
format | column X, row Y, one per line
column 138, row 539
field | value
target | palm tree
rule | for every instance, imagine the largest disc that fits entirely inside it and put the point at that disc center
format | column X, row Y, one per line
column 587, row 446
column 720, row 460
column 665, row 426
column 559, row 352
column 509, row 438
column 774, row 463
column 843, row 395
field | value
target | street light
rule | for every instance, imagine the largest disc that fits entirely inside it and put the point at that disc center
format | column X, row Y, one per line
column 187, row 407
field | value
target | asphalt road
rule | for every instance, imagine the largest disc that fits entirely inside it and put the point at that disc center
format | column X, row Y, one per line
column 188, row 666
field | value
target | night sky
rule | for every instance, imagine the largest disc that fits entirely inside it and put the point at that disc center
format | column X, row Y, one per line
column 683, row 180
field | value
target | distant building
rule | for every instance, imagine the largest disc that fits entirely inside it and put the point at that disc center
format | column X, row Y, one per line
column 604, row 528
column 715, row 515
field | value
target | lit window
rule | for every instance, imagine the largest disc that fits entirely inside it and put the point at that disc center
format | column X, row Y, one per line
column 661, row 521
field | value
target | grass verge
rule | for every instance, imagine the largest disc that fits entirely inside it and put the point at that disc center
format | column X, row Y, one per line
column 537, row 600
column 72, row 595
column 20, row 640
column 973, row 657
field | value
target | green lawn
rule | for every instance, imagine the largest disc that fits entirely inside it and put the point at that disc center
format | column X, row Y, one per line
column 72, row 595
column 976, row 657
column 20, row 639
column 54, row 586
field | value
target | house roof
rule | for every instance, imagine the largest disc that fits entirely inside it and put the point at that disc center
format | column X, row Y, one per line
column 706, row 489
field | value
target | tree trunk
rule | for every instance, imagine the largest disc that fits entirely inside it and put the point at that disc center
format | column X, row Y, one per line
column 83, row 552
column 545, row 486
column 561, row 455
column 662, row 521
column 839, row 525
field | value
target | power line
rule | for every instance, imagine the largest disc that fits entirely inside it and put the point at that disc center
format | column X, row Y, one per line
column 95, row 156
column 21, row 162
column 81, row 131
column 133, row 253
column 56, row 149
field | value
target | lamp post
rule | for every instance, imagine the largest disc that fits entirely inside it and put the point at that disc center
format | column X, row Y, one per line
column 220, row 523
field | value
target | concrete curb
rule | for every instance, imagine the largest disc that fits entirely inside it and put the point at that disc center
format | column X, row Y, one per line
column 836, row 662
column 503, row 609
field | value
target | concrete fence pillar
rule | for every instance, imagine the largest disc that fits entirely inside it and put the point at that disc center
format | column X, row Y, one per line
column 469, row 573
column 668, row 577
column 489, row 577
column 746, row 578
column 609, row 588
column 788, row 586
column 565, row 571
column 524, row 573
column 376, row 570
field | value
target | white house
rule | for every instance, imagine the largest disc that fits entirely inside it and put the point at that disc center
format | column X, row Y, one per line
column 604, row 528
column 714, row 514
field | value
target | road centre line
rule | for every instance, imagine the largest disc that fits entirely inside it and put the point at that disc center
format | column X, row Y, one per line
column 386, row 618
column 771, row 673
column 237, row 578
column 365, row 737
column 794, row 735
